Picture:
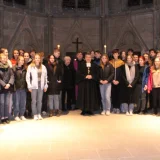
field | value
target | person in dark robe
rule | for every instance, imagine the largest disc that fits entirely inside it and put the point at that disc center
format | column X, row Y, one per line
column 117, row 64
column 77, row 65
column 88, row 99
column 68, row 81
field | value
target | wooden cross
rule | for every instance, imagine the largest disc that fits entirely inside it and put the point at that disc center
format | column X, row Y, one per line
column 77, row 44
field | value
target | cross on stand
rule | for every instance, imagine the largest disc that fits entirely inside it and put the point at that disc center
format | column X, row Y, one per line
column 77, row 44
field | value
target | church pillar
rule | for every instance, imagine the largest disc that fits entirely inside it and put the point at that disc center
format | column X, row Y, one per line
column 156, row 22
column 103, row 23
column 50, row 35
column 2, row 23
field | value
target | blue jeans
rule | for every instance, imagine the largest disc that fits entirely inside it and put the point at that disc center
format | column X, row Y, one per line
column 36, row 96
column 19, row 102
column 128, row 108
column 4, row 105
column 54, row 101
column 105, row 90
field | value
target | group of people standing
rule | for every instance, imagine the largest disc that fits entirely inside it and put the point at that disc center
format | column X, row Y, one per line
column 32, row 84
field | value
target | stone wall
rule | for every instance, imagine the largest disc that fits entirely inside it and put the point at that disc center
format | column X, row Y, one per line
column 43, row 24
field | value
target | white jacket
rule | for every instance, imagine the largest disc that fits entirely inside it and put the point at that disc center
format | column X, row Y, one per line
column 32, row 78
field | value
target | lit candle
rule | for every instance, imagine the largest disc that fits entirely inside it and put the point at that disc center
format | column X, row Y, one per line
column 58, row 46
column 105, row 49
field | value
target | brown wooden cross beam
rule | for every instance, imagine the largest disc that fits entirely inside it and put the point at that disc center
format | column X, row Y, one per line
column 77, row 44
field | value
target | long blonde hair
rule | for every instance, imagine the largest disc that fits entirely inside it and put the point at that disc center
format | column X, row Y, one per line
column 101, row 63
column 33, row 62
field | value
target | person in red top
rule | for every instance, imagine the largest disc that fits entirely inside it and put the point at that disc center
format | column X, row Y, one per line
column 15, row 55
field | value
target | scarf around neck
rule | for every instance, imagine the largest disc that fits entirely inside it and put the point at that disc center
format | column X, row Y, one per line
column 4, row 66
column 130, row 72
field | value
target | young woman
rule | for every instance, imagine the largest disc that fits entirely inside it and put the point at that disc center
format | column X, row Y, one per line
column 106, row 77
column 87, row 79
column 27, row 62
column 154, row 84
column 6, row 81
column 20, row 89
column 123, row 56
column 15, row 56
column 21, row 52
column 117, row 64
column 54, row 72
column 5, row 52
column 128, row 83
column 141, row 86
column 36, row 78
column 27, row 59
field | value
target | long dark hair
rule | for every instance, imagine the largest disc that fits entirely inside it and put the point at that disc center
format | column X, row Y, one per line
column 54, row 64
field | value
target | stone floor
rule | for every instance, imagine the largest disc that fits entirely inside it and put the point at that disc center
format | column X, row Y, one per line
column 74, row 137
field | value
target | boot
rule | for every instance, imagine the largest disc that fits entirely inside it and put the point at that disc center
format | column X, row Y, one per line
column 59, row 113
column 51, row 113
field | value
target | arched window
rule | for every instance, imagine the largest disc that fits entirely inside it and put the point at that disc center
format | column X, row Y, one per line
column 132, row 3
column 76, row 4
column 15, row 2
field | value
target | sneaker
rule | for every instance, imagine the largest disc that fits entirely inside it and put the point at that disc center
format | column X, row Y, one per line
column 23, row 118
column 118, row 111
column 7, row 121
column 103, row 113
column 44, row 113
column 40, row 117
column 17, row 119
column 107, row 113
column 131, row 113
column 127, row 114
column 35, row 117
column 114, row 110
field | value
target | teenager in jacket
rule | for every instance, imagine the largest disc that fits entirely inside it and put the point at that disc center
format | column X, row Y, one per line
column 36, row 78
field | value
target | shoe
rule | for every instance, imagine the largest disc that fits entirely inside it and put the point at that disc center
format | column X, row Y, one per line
column 17, row 119
column 114, row 110
column 35, row 117
column 141, row 113
column 90, row 113
column 59, row 113
column 40, row 117
column 103, row 112
column 3, row 121
column 131, row 113
column 7, row 121
column 127, row 114
column 51, row 113
column 107, row 113
column 44, row 113
column 23, row 118
column 118, row 111
column 83, row 113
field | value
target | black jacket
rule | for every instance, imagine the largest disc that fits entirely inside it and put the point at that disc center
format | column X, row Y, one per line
column 107, row 73
column 53, row 86
column 68, row 79
column 20, row 78
column 6, row 77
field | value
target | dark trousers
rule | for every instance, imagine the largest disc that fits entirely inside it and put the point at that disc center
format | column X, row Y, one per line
column 68, row 93
column 142, row 102
column 28, row 105
column 44, row 102
column 156, row 99
column 4, row 105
